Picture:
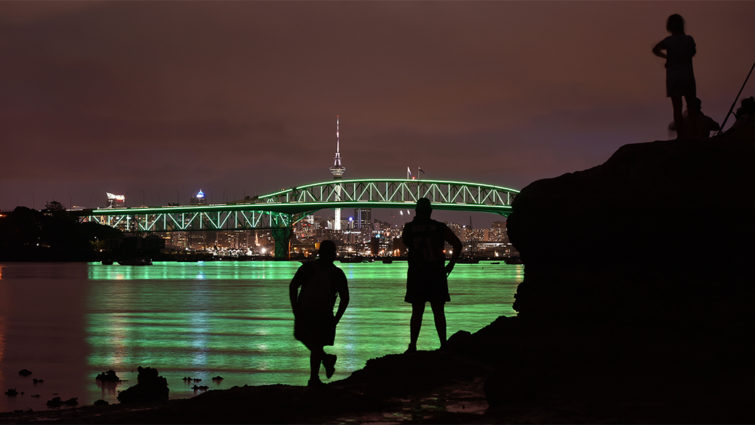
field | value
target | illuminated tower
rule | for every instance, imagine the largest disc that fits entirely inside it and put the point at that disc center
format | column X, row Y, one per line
column 337, row 171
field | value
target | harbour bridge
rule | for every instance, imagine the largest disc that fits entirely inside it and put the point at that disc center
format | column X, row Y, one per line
column 279, row 211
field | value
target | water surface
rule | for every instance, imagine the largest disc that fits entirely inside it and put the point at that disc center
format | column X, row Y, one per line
column 66, row 322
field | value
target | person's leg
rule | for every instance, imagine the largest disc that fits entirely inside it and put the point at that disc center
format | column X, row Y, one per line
column 676, row 103
column 418, row 309
column 439, row 315
column 329, row 362
column 316, row 356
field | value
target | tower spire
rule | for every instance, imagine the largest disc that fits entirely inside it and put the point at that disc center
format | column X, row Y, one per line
column 338, row 169
column 338, row 138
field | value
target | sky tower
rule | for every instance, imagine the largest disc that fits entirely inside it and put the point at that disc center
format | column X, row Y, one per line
column 337, row 171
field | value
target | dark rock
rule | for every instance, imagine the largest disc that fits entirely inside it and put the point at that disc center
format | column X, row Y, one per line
column 108, row 376
column 637, row 297
column 217, row 379
column 54, row 402
column 57, row 402
column 11, row 392
column 37, row 381
column 659, row 233
column 101, row 403
column 24, row 372
column 150, row 388
column 200, row 388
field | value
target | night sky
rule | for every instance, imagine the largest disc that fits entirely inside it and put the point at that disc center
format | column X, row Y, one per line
column 159, row 99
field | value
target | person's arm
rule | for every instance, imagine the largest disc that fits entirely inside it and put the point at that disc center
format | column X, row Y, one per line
column 293, row 289
column 657, row 50
column 452, row 239
column 343, row 298
column 406, row 235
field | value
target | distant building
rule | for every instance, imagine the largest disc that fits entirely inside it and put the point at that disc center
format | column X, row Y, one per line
column 199, row 198
column 115, row 201
column 363, row 218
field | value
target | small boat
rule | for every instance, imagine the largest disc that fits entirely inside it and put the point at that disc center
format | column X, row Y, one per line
column 135, row 262
column 467, row 260
column 108, row 262
column 351, row 260
column 387, row 260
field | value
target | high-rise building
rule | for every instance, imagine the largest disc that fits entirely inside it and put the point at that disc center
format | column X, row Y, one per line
column 337, row 171
column 363, row 218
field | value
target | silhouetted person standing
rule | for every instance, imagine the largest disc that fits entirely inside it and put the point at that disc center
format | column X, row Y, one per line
column 314, row 324
column 680, row 79
column 427, row 279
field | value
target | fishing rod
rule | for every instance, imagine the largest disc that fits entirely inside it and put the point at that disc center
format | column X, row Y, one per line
column 735, row 99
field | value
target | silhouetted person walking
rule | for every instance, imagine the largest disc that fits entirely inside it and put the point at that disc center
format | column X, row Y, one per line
column 680, row 79
column 314, row 324
column 427, row 279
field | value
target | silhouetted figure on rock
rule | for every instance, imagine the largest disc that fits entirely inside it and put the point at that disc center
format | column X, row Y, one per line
column 680, row 79
column 314, row 324
column 696, row 125
column 427, row 278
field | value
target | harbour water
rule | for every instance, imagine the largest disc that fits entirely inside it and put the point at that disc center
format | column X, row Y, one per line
column 67, row 322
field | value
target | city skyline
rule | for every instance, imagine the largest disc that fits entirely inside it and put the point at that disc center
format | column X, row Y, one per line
column 158, row 100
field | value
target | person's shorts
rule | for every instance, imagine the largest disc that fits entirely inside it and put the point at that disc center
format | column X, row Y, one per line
column 315, row 330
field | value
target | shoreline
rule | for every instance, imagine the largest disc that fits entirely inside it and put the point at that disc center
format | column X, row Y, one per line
column 508, row 372
column 396, row 388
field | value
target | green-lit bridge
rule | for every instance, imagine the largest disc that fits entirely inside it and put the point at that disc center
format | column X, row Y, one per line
column 280, row 210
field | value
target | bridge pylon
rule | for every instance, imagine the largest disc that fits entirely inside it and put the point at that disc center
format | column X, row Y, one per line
column 282, row 238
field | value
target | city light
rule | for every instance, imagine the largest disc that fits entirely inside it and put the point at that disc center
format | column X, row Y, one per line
column 200, row 194
column 113, row 199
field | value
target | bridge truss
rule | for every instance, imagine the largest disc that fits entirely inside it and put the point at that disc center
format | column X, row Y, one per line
column 284, row 208
column 168, row 219
column 398, row 193
column 279, row 211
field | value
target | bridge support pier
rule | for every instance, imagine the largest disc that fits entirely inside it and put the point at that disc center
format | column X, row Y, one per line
column 282, row 237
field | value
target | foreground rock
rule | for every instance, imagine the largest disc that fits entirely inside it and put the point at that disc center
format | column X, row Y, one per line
column 638, row 298
column 150, row 388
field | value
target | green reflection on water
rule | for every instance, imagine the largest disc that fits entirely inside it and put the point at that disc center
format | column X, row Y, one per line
column 233, row 318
